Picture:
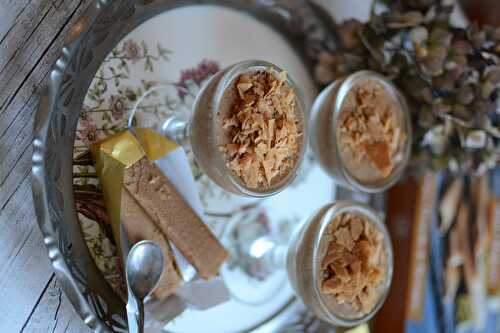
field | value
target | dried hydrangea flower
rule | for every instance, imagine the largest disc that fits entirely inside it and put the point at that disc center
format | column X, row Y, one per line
column 450, row 77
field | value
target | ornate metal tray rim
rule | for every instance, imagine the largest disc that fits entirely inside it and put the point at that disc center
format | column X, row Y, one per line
column 55, row 123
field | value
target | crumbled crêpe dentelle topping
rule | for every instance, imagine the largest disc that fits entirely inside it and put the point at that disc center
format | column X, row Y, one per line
column 263, row 129
column 354, row 263
column 370, row 130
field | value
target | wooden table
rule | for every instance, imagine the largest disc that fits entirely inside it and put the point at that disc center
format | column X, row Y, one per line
column 31, row 37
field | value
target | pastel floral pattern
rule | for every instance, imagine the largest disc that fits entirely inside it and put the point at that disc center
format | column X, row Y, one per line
column 196, row 75
column 106, row 106
column 88, row 132
column 131, row 50
column 114, row 91
column 117, row 107
column 109, row 100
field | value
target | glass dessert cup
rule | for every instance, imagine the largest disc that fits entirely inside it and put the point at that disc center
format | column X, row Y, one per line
column 201, row 132
column 300, row 260
column 325, row 138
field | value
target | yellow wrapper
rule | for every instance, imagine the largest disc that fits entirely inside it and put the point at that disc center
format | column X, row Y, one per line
column 114, row 154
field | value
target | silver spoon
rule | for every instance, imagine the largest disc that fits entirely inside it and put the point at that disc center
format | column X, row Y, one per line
column 144, row 269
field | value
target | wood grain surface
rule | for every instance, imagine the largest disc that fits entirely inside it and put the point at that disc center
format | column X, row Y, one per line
column 31, row 36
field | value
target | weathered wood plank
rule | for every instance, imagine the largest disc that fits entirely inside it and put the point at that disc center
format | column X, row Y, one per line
column 11, row 10
column 27, row 66
column 16, row 116
column 16, row 154
column 24, row 264
column 31, row 38
column 21, row 30
column 54, row 313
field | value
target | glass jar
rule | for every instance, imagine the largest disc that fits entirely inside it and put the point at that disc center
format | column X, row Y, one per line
column 325, row 141
column 205, row 128
column 202, row 131
column 305, row 256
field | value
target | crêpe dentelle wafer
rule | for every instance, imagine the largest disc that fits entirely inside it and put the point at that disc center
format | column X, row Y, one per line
column 175, row 218
column 139, row 226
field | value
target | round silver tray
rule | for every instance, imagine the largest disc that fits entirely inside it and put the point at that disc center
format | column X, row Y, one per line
column 307, row 28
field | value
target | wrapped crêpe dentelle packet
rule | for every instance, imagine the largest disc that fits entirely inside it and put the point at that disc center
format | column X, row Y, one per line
column 139, row 195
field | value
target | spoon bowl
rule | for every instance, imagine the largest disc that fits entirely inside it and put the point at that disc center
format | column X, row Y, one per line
column 143, row 272
column 144, row 268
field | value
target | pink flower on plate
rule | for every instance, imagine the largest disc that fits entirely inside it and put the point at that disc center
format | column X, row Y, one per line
column 117, row 107
column 85, row 117
column 130, row 94
column 198, row 74
column 88, row 134
column 132, row 50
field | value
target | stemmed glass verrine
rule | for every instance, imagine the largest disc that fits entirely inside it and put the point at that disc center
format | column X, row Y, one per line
column 201, row 130
column 300, row 258
column 326, row 113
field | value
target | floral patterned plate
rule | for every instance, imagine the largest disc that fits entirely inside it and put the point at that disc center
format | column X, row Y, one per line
column 182, row 48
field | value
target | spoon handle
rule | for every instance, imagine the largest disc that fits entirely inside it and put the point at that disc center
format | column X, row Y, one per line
column 133, row 314
column 140, row 316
